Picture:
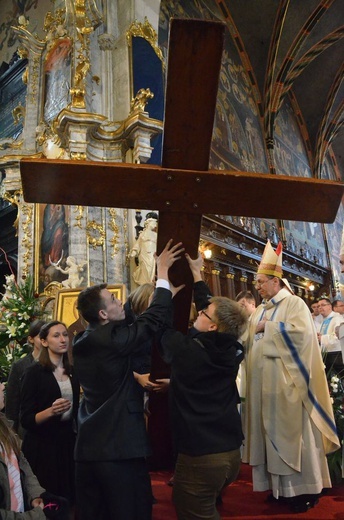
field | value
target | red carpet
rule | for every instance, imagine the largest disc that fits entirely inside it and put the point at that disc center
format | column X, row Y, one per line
column 240, row 503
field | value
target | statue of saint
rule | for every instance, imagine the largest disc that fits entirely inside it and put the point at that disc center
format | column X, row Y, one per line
column 144, row 249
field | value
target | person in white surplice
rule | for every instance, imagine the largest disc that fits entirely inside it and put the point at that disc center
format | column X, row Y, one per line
column 289, row 423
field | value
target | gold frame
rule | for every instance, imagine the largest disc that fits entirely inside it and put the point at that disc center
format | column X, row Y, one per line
column 65, row 307
column 38, row 224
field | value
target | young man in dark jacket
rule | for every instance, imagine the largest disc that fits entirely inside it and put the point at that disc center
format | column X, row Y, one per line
column 206, row 424
column 112, row 480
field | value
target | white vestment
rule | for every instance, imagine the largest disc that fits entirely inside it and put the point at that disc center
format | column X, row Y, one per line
column 289, row 423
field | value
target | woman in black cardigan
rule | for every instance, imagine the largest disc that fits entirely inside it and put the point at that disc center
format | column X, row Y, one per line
column 50, row 397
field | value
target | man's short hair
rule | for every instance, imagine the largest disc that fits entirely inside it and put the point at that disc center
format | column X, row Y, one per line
column 229, row 316
column 90, row 302
column 247, row 295
column 326, row 300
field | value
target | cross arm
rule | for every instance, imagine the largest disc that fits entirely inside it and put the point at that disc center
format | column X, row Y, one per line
column 189, row 191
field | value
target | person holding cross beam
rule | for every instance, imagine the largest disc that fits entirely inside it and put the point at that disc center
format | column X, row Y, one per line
column 206, row 425
column 112, row 479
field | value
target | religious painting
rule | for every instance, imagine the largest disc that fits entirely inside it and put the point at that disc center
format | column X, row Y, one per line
column 237, row 141
column 267, row 229
column 57, row 69
column 306, row 239
column 66, row 300
column 51, row 243
column 289, row 151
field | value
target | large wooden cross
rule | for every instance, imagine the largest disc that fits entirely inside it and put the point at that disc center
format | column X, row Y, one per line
column 183, row 188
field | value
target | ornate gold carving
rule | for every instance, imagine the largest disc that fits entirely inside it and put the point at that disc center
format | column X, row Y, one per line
column 54, row 26
column 18, row 113
column 22, row 53
column 33, row 80
column 79, row 210
column 139, row 102
column 12, row 145
column 78, row 156
column 146, row 31
column 14, row 199
column 125, row 232
column 114, row 227
column 26, row 242
column 216, row 272
column 94, row 227
column 230, row 276
column 51, row 289
column 84, row 28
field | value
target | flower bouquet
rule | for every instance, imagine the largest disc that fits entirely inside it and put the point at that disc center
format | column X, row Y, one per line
column 18, row 308
column 336, row 388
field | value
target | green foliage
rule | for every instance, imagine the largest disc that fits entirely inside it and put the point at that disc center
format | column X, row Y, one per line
column 18, row 308
column 336, row 388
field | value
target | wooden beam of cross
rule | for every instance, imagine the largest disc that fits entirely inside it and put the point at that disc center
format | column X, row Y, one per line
column 183, row 188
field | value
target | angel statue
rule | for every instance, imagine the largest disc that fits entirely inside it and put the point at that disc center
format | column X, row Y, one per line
column 73, row 271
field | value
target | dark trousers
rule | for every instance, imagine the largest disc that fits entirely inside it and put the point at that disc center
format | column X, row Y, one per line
column 334, row 363
column 114, row 490
column 198, row 481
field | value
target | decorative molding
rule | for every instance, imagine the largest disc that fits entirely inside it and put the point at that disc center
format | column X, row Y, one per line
column 79, row 210
column 116, row 232
column 146, row 31
column 92, row 229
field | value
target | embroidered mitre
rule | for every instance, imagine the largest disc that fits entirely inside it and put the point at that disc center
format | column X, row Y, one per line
column 271, row 262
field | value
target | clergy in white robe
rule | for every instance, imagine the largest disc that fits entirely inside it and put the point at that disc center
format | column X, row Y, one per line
column 289, row 422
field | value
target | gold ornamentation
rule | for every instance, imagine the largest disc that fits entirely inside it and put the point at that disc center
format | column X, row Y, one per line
column 114, row 227
column 14, row 199
column 146, row 31
column 26, row 242
column 216, row 272
column 139, row 102
column 125, row 232
column 18, row 113
column 78, row 156
column 32, row 79
column 230, row 276
column 22, row 53
column 80, row 215
column 94, row 227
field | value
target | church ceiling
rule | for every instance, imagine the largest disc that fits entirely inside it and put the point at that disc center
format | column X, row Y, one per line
column 296, row 46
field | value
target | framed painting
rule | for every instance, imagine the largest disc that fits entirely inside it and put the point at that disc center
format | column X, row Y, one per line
column 51, row 243
column 57, row 69
column 66, row 300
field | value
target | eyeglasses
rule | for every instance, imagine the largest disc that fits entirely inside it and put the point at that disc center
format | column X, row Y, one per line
column 207, row 315
column 323, row 304
column 259, row 284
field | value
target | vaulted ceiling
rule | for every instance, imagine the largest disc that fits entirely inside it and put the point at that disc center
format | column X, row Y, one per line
column 297, row 45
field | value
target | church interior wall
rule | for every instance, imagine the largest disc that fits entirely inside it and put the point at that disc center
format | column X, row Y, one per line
column 238, row 143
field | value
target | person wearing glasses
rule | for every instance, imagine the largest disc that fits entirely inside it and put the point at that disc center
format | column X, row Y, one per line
column 289, row 423
column 338, row 306
column 206, row 425
column 328, row 339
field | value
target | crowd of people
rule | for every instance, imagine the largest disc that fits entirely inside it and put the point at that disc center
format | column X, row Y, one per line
column 64, row 457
